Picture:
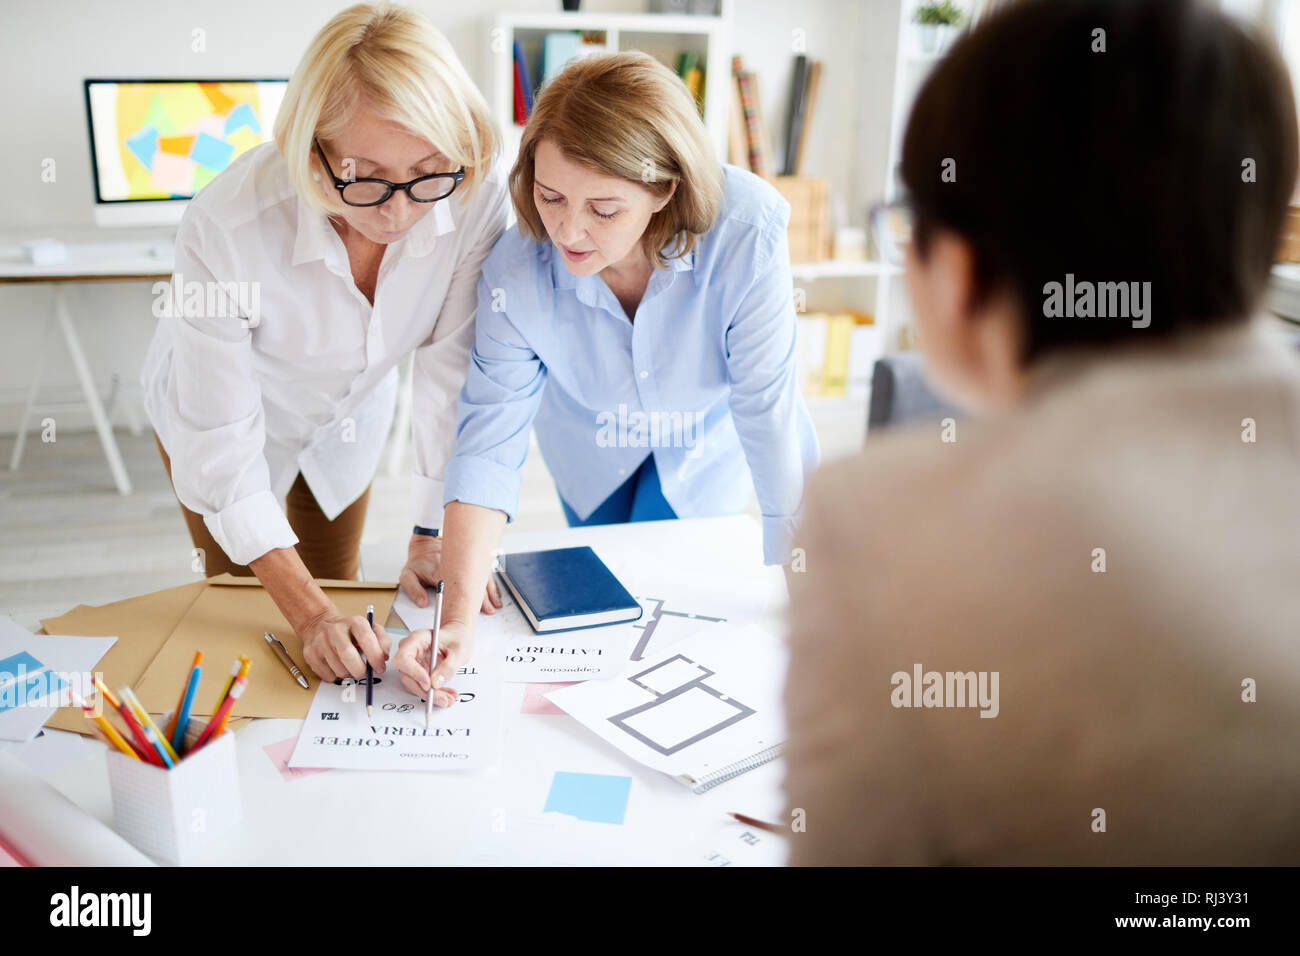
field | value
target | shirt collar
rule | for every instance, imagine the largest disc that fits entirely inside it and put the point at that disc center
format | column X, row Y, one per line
column 586, row 285
column 315, row 236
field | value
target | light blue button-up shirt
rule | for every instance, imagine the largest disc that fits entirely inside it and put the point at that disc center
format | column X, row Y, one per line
column 704, row 378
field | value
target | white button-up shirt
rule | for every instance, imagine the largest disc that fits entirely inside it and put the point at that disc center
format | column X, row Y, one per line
column 268, row 361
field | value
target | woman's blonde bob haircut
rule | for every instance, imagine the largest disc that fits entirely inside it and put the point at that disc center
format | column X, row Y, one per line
column 394, row 59
column 627, row 115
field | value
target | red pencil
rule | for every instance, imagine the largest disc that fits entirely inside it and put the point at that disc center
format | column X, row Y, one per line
column 219, row 718
column 760, row 824
column 150, row 754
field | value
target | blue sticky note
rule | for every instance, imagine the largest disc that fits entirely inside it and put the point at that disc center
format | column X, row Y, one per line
column 10, row 665
column 30, row 690
column 242, row 115
column 144, row 144
column 597, row 797
column 211, row 152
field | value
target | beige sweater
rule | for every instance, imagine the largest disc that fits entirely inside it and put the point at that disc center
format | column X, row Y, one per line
column 1119, row 691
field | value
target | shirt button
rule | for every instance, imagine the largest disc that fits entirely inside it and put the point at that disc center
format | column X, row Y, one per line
column 622, row 471
column 645, row 374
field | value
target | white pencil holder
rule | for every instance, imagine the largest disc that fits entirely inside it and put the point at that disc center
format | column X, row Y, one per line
column 172, row 814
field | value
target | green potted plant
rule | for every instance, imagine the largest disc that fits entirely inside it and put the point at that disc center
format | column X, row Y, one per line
column 938, row 21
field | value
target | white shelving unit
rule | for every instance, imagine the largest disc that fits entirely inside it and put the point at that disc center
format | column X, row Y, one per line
column 911, row 67
column 663, row 36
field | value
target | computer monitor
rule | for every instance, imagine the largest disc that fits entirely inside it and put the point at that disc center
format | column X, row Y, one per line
column 155, row 143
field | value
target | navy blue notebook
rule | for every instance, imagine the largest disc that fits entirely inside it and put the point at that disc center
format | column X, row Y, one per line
column 567, row 588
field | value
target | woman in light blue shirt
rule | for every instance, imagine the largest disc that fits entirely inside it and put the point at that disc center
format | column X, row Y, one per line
column 641, row 317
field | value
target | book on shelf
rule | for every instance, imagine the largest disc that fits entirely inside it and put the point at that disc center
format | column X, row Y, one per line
column 795, row 120
column 836, row 352
column 810, row 106
column 737, row 137
column 521, row 112
column 524, row 83
column 692, row 74
column 760, row 145
column 560, row 47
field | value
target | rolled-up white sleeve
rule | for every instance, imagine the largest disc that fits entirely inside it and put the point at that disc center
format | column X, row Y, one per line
column 216, row 428
column 442, row 362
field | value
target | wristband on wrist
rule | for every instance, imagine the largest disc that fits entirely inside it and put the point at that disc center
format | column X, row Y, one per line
column 427, row 532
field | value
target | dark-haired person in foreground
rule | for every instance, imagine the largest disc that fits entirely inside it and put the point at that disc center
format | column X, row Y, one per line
column 1072, row 634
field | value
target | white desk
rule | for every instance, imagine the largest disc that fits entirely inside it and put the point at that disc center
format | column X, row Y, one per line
column 339, row 817
column 92, row 257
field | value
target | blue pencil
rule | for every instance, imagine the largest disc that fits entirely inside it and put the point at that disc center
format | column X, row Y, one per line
column 183, row 715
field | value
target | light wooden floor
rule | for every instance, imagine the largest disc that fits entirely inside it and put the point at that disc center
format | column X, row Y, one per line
column 67, row 537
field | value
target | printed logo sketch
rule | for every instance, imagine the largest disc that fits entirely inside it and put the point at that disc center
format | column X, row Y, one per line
column 656, row 614
column 685, row 710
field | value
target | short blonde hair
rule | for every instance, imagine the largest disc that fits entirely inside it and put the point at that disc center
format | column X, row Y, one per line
column 627, row 115
column 393, row 57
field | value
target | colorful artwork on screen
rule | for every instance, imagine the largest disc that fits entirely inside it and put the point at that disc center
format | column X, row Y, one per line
column 169, row 140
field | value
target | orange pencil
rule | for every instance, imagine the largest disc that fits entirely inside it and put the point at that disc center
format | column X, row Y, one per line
column 171, row 724
column 107, row 694
column 241, row 676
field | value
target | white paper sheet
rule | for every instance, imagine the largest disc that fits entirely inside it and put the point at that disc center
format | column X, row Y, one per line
column 36, row 673
column 337, row 733
column 593, row 653
column 547, row 839
column 708, row 702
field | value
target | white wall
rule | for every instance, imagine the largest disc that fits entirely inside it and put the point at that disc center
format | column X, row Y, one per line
column 48, row 47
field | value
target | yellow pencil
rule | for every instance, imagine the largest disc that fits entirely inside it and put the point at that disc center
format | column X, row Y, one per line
column 234, row 672
column 143, row 716
column 109, row 730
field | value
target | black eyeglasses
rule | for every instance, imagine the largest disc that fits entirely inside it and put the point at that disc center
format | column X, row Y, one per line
column 372, row 192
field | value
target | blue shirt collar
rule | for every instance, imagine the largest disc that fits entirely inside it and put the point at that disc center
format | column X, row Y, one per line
column 593, row 292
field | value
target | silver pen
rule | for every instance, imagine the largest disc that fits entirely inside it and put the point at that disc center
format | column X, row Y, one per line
column 286, row 660
column 433, row 653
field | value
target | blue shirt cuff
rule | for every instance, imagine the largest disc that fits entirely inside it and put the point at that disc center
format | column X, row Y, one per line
column 778, row 538
column 478, row 481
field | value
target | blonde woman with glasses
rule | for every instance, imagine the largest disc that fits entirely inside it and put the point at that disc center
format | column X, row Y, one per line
column 641, row 316
column 362, row 229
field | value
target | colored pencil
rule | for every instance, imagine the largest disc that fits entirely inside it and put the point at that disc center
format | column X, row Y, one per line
column 213, row 730
column 244, row 665
column 107, row 694
column 234, row 672
column 105, row 727
column 171, row 725
column 760, row 824
column 147, row 723
column 150, row 753
column 181, row 719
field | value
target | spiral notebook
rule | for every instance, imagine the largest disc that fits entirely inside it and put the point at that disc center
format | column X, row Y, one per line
column 704, row 711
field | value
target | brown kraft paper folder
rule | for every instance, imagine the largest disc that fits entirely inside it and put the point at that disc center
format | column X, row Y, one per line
column 140, row 624
column 228, row 619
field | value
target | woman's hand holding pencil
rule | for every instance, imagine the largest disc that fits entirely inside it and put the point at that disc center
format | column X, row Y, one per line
column 413, row 663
